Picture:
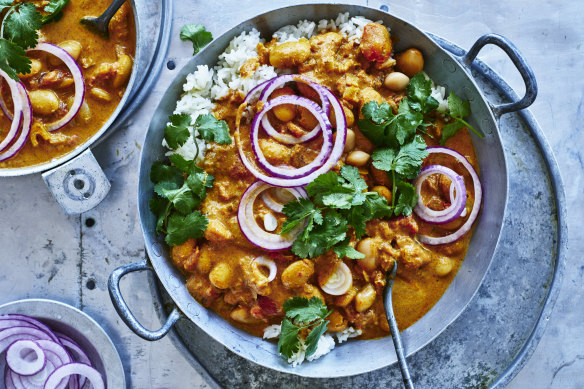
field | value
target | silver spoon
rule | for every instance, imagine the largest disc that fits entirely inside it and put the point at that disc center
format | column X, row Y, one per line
column 397, row 342
column 100, row 25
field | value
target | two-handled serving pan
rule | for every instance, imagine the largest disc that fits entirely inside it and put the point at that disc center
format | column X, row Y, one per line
column 353, row 357
column 75, row 179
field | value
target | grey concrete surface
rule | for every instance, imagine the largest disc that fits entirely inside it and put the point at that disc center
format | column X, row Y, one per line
column 44, row 253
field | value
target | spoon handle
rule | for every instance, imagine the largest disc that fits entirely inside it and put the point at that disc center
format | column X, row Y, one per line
column 399, row 347
column 106, row 16
column 397, row 342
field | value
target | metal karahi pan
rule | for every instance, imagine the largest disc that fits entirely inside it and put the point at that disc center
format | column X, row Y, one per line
column 354, row 357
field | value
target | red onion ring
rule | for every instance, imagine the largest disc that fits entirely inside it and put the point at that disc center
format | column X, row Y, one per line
column 334, row 157
column 21, row 364
column 26, row 125
column 56, row 356
column 457, row 202
column 278, row 82
column 17, row 118
column 254, row 233
column 270, row 264
column 340, row 281
column 71, row 369
column 2, row 103
column 325, row 127
column 78, row 80
column 478, row 194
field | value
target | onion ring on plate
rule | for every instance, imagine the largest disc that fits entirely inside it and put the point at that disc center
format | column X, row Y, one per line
column 71, row 369
column 26, row 125
column 18, row 357
column 17, row 117
column 78, row 80
column 252, row 231
column 2, row 102
column 458, row 200
column 324, row 126
column 478, row 194
column 334, row 157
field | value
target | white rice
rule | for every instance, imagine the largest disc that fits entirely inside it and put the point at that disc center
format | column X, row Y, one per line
column 326, row 343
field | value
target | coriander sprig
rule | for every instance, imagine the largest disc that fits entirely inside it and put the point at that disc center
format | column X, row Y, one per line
column 302, row 314
column 339, row 202
column 19, row 31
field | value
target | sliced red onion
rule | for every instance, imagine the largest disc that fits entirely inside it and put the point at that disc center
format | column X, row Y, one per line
column 78, row 80
column 457, row 200
column 8, row 383
column 10, row 335
column 278, row 82
column 5, row 108
column 71, row 369
column 77, row 353
column 325, row 127
column 16, row 320
column 333, row 159
column 340, row 281
column 271, row 265
column 282, row 195
column 56, row 356
column 17, row 118
column 26, row 125
column 25, row 357
column 254, row 233
column 478, row 194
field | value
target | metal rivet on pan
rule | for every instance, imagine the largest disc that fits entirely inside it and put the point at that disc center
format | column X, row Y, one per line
column 384, row 8
column 156, row 249
column 486, row 127
column 171, row 65
column 468, row 93
column 447, row 63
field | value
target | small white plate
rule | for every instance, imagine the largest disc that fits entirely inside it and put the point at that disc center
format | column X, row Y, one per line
column 80, row 327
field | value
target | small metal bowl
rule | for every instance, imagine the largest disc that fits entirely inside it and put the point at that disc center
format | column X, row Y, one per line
column 81, row 328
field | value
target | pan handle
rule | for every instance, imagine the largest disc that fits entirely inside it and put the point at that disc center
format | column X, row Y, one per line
column 123, row 310
column 520, row 63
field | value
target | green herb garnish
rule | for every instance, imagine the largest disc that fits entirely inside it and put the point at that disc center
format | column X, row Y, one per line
column 177, row 198
column 302, row 313
column 403, row 150
column 207, row 127
column 339, row 202
column 197, row 34
column 18, row 32
column 459, row 109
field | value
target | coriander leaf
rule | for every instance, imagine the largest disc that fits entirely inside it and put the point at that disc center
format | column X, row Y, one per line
column 161, row 172
column 322, row 237
column 407, row 198
column 352, row 175
column 54, row 10
column 288, row 343
column 177, row 131
column 404, row 126
column 197, row 34
column 449, row 130
column 409, row 159
column 419, row 88
column 5, row 4
column 406, row 162
column 312, row 339
column 180, row 228
column 304, row 311
column 213, row 130
column 198, row 181
column 160, row 207
column 357, row 217
column 296, row 211
column 378, row 206
column 377, row 113
column 13, row 59
column 431, row 105
column 21, row 25
column 457, row 107
column 376, row 133
column 181, row 163
column 168, row 190
column 344, row 250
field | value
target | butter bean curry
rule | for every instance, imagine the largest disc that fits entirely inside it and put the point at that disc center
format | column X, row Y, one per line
column 106, row 65
column 248, row 285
